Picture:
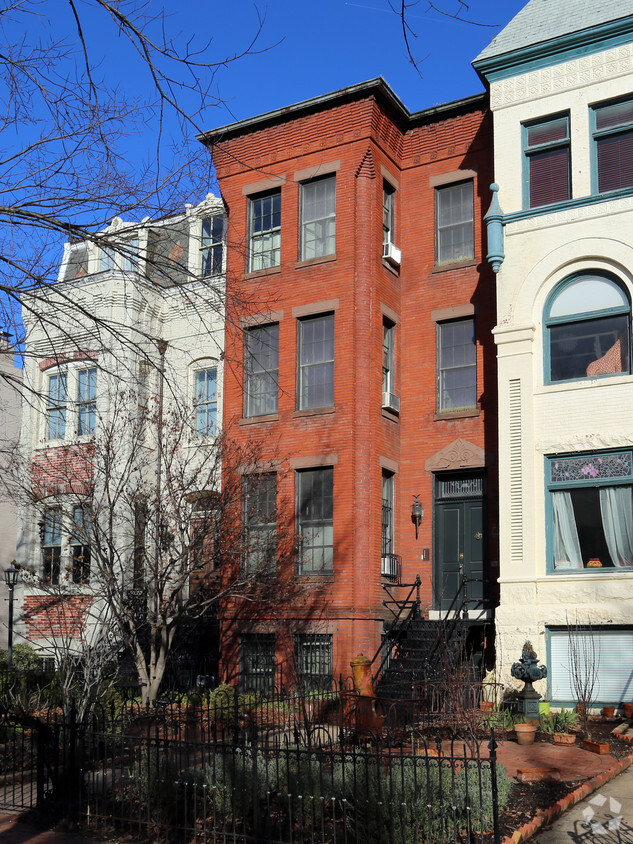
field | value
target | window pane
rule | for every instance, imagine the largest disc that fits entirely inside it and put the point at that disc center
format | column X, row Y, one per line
column 457, row 365
column 316, row 362
column 615, row 161
column 315, row 505
column 258, row 663
column 261, row 365
column 549, row 177
column 314, row 661
column 265, row 229
column 616, row 114
column 588, row 293
column 259, row 521
column 318, row 218
column 454, row 222
column 205, row 401
column 589, row 348
column 548, row 132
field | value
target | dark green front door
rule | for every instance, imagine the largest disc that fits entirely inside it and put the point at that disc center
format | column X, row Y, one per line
column 460, row 541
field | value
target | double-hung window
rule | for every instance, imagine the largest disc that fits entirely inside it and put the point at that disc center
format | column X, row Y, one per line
column 261, row 370
column 590, row 505
column 388, row 206
column 313, row 656
column 587, row 329
column 389, row 561
column 80, row 544
column 265, row 231
column 613, row 145
column 259, row 520
column 315, row 511
column 56, row 406
column 456, row 365
column 454, row 223
column 212, row 245
column 86, row 400
column 547, row 160
column 318, row 218
column 51, row 528
column 206, row 401
column 388, row 337
column 315, row 362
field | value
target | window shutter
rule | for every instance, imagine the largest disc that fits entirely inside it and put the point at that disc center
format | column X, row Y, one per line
column 549, row 177
column 615, row 161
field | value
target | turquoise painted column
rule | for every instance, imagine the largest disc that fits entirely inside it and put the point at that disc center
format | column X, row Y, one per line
column 494, row 228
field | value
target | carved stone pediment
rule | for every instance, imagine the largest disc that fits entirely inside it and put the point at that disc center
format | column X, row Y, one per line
column 460, row 454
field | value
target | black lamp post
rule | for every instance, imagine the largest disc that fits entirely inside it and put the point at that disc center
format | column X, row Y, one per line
column 11, row 578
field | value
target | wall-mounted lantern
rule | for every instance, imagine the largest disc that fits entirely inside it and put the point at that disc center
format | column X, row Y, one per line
column 11, row 576
column 417, row 512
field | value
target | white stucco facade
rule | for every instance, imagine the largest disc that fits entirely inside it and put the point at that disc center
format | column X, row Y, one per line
column 541, row 418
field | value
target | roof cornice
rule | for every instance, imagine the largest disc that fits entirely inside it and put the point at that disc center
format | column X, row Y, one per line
column 594, row 39
column 377, row 88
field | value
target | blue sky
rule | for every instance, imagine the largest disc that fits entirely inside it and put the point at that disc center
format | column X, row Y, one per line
column 307, row 49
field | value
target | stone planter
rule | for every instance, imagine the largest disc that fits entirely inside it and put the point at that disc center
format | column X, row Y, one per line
column 525, row 733
column 566, row 739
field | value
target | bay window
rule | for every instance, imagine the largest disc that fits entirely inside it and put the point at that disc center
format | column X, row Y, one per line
column 590, row 504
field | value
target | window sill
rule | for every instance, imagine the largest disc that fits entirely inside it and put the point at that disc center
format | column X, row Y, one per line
column 599, row 571
column 78, row 440
column 583, row 383
column 253, row 420
column 391, row 415
column 453, row 265
column 317, row 411
column 258, row 273
column 312, row 261
column 393, row 269
column 326, row 577
column 457, row 414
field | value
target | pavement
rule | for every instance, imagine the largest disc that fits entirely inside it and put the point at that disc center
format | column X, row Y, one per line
column 605, row 817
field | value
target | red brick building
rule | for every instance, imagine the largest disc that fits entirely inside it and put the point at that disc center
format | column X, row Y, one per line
column 360, row 358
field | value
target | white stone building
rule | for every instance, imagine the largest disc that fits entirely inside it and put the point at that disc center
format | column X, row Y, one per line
column 10, row 381
column 125, row 348
column 561, row 90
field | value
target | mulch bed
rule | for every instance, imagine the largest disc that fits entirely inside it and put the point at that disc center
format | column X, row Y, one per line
column 527, row 798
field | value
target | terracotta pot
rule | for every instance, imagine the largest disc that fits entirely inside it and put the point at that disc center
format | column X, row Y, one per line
column 486, row 706
column 525, row 733
column 564, row 738
column 609, row 711
column 628, row 710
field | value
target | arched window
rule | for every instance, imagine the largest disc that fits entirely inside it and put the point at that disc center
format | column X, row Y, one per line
column 587, row 329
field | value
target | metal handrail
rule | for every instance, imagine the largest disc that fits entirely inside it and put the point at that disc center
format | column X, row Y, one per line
column 413, row 612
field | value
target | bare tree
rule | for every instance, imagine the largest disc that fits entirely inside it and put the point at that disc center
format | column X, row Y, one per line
column 144, row 527
column 584, row 666
column 65, row 168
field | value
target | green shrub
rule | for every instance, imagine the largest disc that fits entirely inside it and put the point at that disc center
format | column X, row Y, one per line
column 25, row 658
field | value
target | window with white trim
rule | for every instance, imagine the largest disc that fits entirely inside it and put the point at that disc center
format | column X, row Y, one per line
column 315, row 516
column 547, row 153
column 454, row 223
column 71, row 402
column 587, row 329
column 388, row 213
column 205, row 401
column 265, row 231
column 590, row 511
column 318, row 218
column 315, row 362
column 261, row 370
column 80, row 543
column 613, row 145
column 51, row 527
column 212, row 245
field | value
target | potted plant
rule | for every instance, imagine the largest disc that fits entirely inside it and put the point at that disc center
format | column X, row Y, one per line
column 628, row 710
column 524, row 730
column 560, row 725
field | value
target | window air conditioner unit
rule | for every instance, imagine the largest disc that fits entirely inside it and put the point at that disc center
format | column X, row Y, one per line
column 391, row 402
column 392, row 254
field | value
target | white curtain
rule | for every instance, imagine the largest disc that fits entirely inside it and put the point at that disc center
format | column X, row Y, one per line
column 616, row 507
column 567, row 554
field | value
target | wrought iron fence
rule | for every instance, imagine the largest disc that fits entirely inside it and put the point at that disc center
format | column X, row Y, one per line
column 227, row 766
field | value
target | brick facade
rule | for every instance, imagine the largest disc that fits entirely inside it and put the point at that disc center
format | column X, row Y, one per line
column 363, row 136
